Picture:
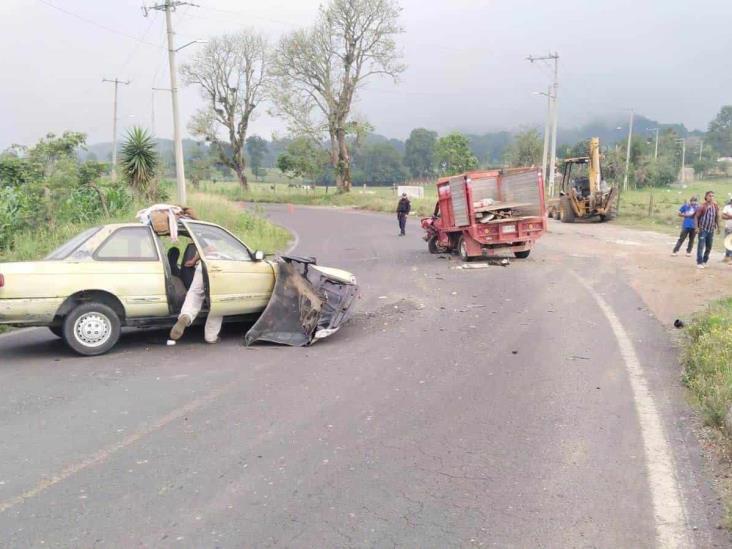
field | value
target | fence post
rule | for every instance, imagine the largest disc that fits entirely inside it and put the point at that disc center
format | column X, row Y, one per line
column 650, row 205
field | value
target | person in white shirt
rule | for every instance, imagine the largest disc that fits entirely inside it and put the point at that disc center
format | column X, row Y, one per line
column 727, row 216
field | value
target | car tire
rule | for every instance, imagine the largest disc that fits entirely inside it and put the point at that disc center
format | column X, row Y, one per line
column 522, row 255
column 463, row 250
column 432, row 245
column 58, row 331
column 91, row 328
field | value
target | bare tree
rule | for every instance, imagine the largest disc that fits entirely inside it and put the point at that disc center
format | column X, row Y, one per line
column 231, row 72
column 317, row 71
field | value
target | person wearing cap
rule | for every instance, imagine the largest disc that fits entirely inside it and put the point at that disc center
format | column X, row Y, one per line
column 727, row 216
column 688, row 226
column 707, row 221
column 402, row 211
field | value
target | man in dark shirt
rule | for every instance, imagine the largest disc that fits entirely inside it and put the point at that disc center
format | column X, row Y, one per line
column 402, row 211
column 707, row 221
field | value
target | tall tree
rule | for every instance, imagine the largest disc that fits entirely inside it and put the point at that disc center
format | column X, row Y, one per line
column 231, row 72
column 526, row 149
column 453, row 155
column 319, row 70
column 719, row 133
column 304, row 158
column 256, row 149
column 419, row 155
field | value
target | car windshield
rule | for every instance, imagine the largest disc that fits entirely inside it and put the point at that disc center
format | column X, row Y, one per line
column 63, row 251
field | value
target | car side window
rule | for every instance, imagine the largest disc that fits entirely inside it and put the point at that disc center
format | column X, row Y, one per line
column 218, row 244
column 128, row 244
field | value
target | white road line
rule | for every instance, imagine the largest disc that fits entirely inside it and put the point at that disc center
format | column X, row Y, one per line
column 668, row 507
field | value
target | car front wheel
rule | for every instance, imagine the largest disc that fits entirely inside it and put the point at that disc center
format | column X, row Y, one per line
column 91, row 329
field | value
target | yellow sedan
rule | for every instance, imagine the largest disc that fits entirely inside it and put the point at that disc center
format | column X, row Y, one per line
column 126, row 275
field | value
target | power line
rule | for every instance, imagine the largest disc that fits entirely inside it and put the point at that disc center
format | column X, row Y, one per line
column 91, row 22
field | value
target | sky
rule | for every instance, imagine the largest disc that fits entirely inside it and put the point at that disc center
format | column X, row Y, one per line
column 466, row 63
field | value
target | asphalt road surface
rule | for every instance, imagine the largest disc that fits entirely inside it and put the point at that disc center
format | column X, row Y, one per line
column 534, row 405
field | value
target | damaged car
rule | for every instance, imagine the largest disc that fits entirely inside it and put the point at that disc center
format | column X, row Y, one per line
column 113, row 276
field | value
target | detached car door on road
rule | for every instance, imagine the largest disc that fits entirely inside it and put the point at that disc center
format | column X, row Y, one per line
column 238, row 284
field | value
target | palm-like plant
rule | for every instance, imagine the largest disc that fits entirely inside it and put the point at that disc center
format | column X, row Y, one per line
column 139, row 161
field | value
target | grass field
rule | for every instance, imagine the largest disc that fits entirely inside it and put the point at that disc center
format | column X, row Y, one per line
column 656, row 209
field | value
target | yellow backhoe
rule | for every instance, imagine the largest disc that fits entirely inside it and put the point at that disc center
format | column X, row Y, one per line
column 583, row 194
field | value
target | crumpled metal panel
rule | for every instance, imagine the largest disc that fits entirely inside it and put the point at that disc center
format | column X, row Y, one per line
column 306, row 305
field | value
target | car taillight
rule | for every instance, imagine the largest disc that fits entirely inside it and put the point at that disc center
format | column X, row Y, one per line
column 2, row 281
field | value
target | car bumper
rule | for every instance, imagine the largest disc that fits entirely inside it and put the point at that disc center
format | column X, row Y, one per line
column 29, row 312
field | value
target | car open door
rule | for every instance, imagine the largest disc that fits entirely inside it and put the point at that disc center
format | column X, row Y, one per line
column 238, row 284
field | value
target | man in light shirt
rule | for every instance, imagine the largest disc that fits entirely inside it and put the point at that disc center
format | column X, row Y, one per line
column 727, row 216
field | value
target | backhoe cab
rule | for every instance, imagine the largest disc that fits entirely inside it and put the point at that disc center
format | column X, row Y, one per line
column 583, row 193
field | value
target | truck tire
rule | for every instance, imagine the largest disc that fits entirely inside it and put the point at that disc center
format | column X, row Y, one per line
column 432, row 245
column 91, row 328
column 522, row 255
column 567, row 213
column 463, row 250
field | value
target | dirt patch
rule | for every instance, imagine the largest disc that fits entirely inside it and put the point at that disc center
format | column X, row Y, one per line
column 671, row 287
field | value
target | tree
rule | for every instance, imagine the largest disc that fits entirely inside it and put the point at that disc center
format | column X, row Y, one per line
column 319, row 70
column 419, row 155
column 304, row 158
column 378, row 163
column 257, row 148
column 139, row 162
column 719, row 133
column 526, row 149
column 453, row 155
column 198, row 164
column 231, row 73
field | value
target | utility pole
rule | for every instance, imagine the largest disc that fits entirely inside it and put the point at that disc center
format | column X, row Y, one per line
column 701, row 149
column 627, row 151
column 655, row 153
column 169, row 6
column 152, row 112
column 116, row 83
column 555, row 114
column 682, row 140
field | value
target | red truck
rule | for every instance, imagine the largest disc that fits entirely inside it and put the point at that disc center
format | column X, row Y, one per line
column 487, row 213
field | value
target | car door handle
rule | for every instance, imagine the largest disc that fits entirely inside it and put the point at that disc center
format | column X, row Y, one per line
column 215, row 269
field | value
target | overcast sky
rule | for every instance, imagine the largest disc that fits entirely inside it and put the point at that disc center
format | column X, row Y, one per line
column 667, row 59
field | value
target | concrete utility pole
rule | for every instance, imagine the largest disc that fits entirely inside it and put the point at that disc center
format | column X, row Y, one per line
column 116, row 83
column 627, row 151
column 169, row 6
column 547, row 126
column 655, row 153
column 555, row 114
column 682, row 140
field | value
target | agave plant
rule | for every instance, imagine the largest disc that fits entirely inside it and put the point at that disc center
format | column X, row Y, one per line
column 139, row 161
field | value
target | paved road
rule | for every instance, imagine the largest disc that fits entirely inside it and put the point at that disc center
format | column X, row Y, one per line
column 514, row 406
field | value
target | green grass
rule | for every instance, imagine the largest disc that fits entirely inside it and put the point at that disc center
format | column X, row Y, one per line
column 708, row 361
column 664, row 205
column 378, row 199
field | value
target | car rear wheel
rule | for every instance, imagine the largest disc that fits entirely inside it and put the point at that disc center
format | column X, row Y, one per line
column 91, row 329
column 432, row 245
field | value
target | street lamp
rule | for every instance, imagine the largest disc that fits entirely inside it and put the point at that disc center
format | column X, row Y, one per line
column 191, row 42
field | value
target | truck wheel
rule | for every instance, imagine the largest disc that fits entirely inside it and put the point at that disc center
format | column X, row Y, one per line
column 432, row 245
column 522, row 255
column 567, row 211
column 91, row 329
column 463, row 250
column 58, row 331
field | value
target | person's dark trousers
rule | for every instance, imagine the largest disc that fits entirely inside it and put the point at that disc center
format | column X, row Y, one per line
column 704, row 247
column 691, row 233
column 402, row 222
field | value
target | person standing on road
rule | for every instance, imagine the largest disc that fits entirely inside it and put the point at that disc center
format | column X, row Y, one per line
column 403, row 209
column 688, row 226
column 727, row 216
column 707, row 221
